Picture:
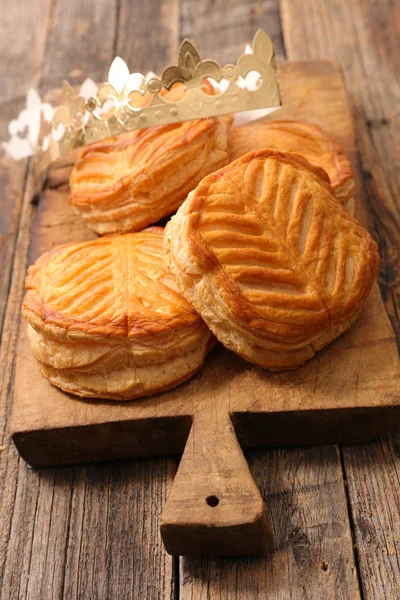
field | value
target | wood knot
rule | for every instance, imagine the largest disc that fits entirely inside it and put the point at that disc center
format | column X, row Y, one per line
column 324, row 565
column 298, row 536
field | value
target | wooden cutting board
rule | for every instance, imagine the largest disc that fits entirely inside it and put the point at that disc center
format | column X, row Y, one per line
column 348, row 393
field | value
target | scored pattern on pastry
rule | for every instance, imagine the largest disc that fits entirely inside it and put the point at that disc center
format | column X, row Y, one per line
column 298, row 137
column 283, row 253
column 106, row 318
column 135, row 179
column 275, row 266
column 119, row 282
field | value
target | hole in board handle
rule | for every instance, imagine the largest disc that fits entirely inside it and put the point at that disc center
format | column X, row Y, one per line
column 212, row 501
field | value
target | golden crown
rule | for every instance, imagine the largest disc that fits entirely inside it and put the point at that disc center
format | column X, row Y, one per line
column 134, row 101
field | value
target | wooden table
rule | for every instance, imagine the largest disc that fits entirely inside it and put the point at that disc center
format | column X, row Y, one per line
column 92, row 531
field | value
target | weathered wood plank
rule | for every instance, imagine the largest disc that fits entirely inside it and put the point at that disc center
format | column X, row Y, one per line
column 220, row 29
column 88, row 532
column 80, row 42
column 114, row 545
column 22, row 57
column 303, row 488
column 362, row 36
column 83, row 532
column 20, row 70
column 373, row 475
column 148, row 36
column 23, row 28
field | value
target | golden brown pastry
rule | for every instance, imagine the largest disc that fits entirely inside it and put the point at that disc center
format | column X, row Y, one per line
column 298, row 137
column 135, row 179
column 106, row 319
column 274, row 265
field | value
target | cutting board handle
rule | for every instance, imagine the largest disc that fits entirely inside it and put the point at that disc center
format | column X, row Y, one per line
column 214, row 507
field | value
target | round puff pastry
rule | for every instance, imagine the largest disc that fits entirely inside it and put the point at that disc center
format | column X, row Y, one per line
column 106, row 319
column 274, row 265
column 298, row 137
column 135, row 179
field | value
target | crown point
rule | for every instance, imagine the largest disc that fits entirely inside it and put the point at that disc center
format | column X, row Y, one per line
column 118, row 74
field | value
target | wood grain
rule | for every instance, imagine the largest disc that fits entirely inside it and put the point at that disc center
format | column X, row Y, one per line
column 23, row 26
column 80, row 42
column 303, row 490
column 88, row 532
column 373, row 476
column 65, row 533
column 361, row 36
column 214, row 507
column 22, row 71
column 220, row 29
column 148, row 36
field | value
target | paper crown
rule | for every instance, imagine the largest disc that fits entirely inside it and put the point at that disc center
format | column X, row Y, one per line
column 134, row 101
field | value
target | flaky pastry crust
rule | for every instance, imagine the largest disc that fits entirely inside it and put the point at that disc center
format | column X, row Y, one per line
column 297, row 137
column 135, row 179
column 274, row 265
column 106, row 319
